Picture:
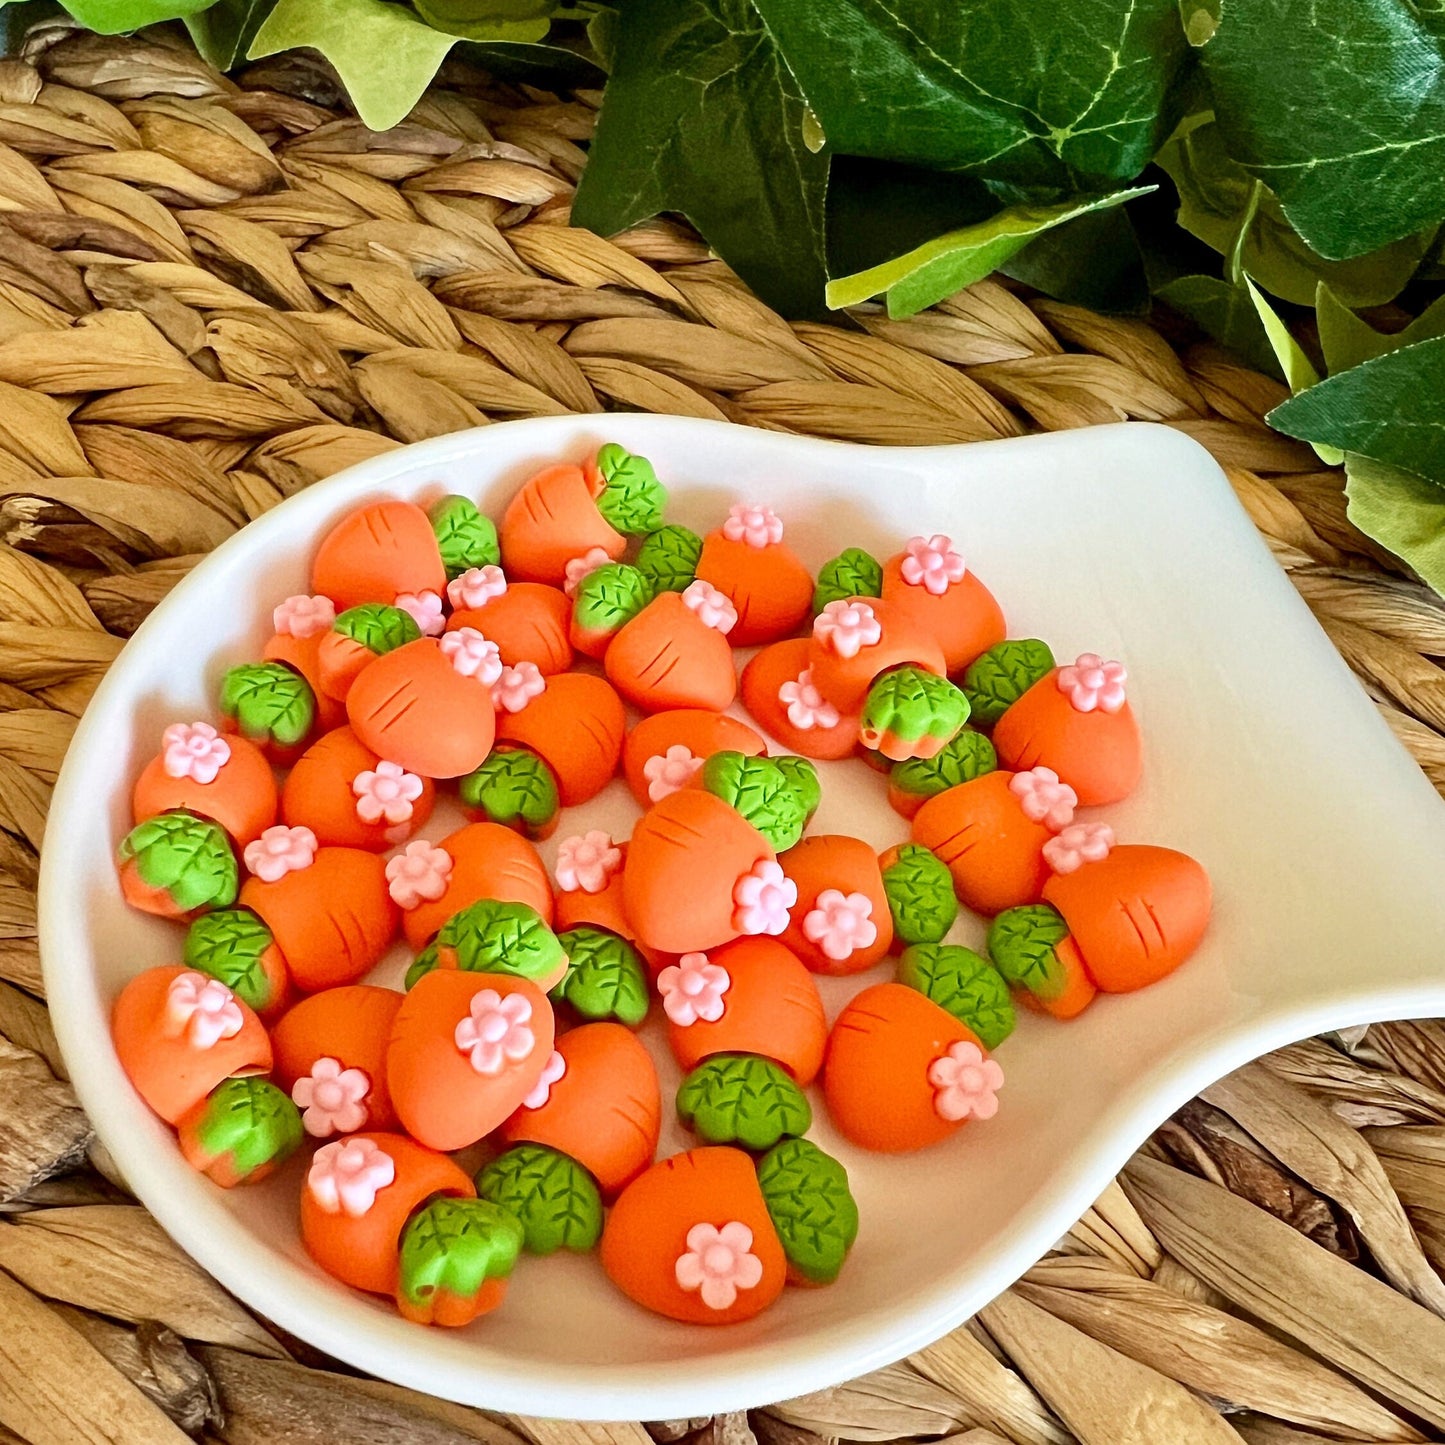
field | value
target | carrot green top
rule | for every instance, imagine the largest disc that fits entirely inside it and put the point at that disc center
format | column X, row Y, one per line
column 1003, row 674
column 761, row 792
column 609, row 597
column 454, row 1246
column 604, row 978
column 493, row 937
column 1021, row 943
column 465, row 535
column 964, row 983
column 910, row 703
column 966, row 756
column 813, row 1210
column 512, row 785
column 742, row 1099
column 228, row 944
column 668, row 557
column 269, row 702
column 553, row 1198
column 251, row 1121
column 919, row 889
column 632, row 498
column 852, row 573
column 187, row 857
column 377, row 627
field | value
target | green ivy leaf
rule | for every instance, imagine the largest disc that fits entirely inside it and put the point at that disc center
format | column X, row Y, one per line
column 463, row 17
column 909, row 704
column 224, row 31
column 852, row 573
column 702, row 116
column 228, row 945
column 269, row 702
column 964, row 983
column 609, row 597
column 605, row 979
column 465, row 535
column 742, row 1099
column 455, row 1246
column 1093, row 261
column 119, row 17
column 761, row 792
column 253, row 1122
column 553, row 1197
column 920, row 896
column 811, row 1207
column 1346, row 340
column 1226, row 313
column 189, row 858
column 1402, row 512
column 997, row 678
column 632, row 499
column 668, row 558
column 966, row 756
column 377, row 626
column 513, row 787
column 1021, row 942
column 493, row 937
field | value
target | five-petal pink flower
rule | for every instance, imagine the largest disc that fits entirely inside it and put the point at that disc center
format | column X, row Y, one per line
column 472, row 655
column 477, row 586
column 418, row 875
column 1078, row 844
column 693, row 988
column 1091, row 683
column 553, row 1070
column 517, row 686
column 387, row 792
column 965, row 1083
column 579, row 567
column 195, row 751
column 496, row 1031
column 425, row 609
column 280, row 850
column 713, row 608
column 332, row 1099
column 840, row 924
column 718, row 1263
column 1043, row 798
column 202, row 1009
column 847, row 626
column 302, row 616
column 586, row 861
column 762, row 898
column 757, row 526
column 346, row 1176
column 807, row 707
column 931, row 563
column 669, row 771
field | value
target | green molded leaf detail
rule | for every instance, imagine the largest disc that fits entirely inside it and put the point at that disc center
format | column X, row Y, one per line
column 963, row 982
column 494, row 937
column 465, row 535
column 609, row 597
column 553, row 1197
column 759, row 790
column 605, row 978
column 852, row 573
column 811, row 1207
column 228, row 945
column 966, row 756
column 251, row 1120
column 997, row 679
column 269, row 702
column 1021, row 942
column 920, row 896
column 455, row 1246
column 189, row 858
column 632, row 499
column 742, row 1099
column 668, row 558
column 910, row 704
column 377, row 626
column 802, row 773
column 513, row 787
column 421, row 965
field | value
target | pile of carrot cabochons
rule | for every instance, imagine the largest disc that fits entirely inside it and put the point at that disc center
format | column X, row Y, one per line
column 435, row 650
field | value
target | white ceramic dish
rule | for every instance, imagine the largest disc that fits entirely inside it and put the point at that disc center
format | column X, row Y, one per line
column 1264, row 759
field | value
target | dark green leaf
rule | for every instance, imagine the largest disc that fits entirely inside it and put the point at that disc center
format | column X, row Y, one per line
column 1021, row 944
column 187, row 857
column 1227, row 314
column 465, row 536
column 1093, row 260
column 668, row 558
column 253, row 1122
column 377, row 626
column 223, row 33
column 269, row 702
column 552, row 65
column 228, row 945
column 703, row 117
column 760, row 791
column 1402, row 512
column 742, row 1099
column 553, row 1197
column 966, row 756
column 852, row 573
column 455, row 1246
column 513, row 787
column 811, row 1207
column 605, row 978
column 921, row 900
column 997, row 679
column 964, row 983
column 494, row 937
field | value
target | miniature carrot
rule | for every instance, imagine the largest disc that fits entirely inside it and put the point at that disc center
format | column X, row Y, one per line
column 427, row 706
column 932, row 584
column 840, row 923
column 302, row 623
column 272, row 706
column 376, row 554
column 747, row 560
column 598, row 1102
column 604, row 599
column 553, row 1198
column 514, row 787
column 964, row 983
column 359, row 636
column 751, row 996
column 327, row 908
column 564, row 511
column 665, row 749
column 575, row 723
column 991, row 834
column 492, row 937
column 903, row 1073
column 920, row 895
column 465, row 1050
column 177, row 865
column 178, row 1034
column 778, row 690
column 527, row 620
column 240, row 1132
column 910, row 712
column 1077, row 721
column 1032, row 950
column 455, row 1259
column 331, row 1058
column 996, row 679
column 912, row 782
column 589, row 882
column 233, row 945
column 225, row 779
column 692, row 1239
column 351, row 798
column 358, row 1195
column 855, row 642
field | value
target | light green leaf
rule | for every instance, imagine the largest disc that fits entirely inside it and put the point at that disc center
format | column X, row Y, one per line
column 1299, row 371
column 479, row 19
column 117, row 17
column 957, row 259
column 1347, row 340
column 1402, row 512
column 1226, row 313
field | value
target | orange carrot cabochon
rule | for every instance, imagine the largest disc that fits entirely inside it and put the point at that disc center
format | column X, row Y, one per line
column 778, row 691
column 841, row 922
column 551, row 520
column 747, row 559
column 963, row 616
column 528, row 622
column 856, row 639
column 668, row 657
column 692, row 1239
column 652, row 767
column 576, row 726
column 225, row 779
column 376, row 554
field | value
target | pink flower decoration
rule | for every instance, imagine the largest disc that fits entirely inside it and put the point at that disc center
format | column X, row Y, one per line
column 807, row 707
column 280, row 850
column 965, row 1083
column 840, row 923
column 718, row 1263
column 931, row 563
column 517, row 686
column 846, row 627
column 425, row 609
column 1093, row 683
column 713, row 608
column 1043, row 798
column 580, row 567
column 421, row 874
column 302, row 616
column 477, row 586
column 693, row 989
column 757, row 526
column 346, row 1176
column 669, row 771
column 202, row 1009
column 1078, row 844
column 552, row 1070
column 332, row 1100
column 387, row 792
column 496, row 1031
column 472, row 655
column 586, row 862
column 195, row 751
column 763, row 897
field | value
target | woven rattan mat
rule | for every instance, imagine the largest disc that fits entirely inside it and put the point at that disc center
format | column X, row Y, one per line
column 211, row 296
